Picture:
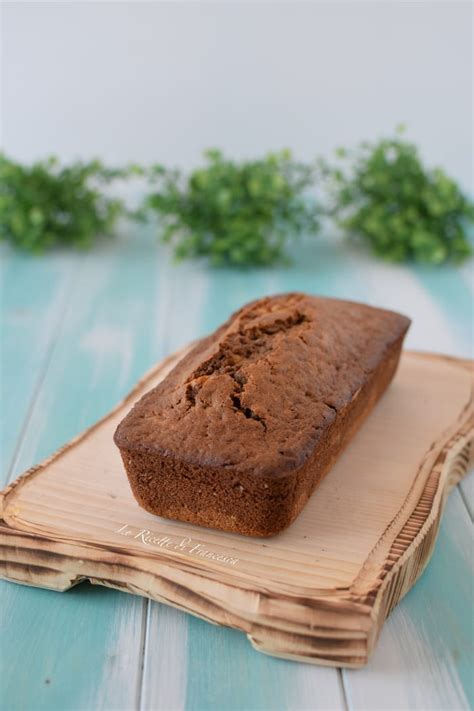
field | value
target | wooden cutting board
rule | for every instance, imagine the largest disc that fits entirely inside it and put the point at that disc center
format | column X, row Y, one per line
column 318, row 592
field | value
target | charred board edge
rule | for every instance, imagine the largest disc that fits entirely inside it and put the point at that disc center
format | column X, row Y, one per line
column 33, row 559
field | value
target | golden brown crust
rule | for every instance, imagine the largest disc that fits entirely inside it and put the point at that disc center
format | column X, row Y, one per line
column 240, row 432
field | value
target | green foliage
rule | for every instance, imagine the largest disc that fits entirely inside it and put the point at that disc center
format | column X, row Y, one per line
column 247, row 213
column 44, row 204
column 235, row 213
column 384, row 195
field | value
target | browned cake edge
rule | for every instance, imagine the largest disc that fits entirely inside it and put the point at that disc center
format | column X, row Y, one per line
column 253, row 506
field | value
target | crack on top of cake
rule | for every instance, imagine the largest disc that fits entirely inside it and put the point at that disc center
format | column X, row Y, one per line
column 248, row 343
column 247, row 411
column 244, row 345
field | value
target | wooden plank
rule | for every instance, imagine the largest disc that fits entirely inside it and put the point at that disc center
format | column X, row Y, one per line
column 191, row 664
column 110, row 334
column 466, row 488
column 165, row 669
column 451, row 288
column 35, row 293
column 448, row 289
column 424, row 655
column 397, row 287
column 222, row 673
column 104, row 343
column 69, row 651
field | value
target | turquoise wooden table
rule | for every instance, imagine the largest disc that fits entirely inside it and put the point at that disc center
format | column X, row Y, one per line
column 78, row 330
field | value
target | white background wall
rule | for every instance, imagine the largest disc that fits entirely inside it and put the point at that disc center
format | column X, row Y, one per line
column 162, row 81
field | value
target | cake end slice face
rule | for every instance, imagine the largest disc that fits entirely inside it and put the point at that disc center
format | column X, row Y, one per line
column 242, row 430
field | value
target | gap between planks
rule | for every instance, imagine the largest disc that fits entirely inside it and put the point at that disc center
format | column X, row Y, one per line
column 342, row 684
column 464, row 499
column 143, row 646
column 56, row 331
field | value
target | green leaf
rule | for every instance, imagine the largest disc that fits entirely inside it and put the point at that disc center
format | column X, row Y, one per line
column 46, row 204
column 235, row 213
column 400, row 208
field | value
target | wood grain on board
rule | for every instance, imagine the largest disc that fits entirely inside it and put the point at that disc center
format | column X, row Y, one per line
column 319, row 591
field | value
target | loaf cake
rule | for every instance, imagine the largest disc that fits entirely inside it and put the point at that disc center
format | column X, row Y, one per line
column 242, row 430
